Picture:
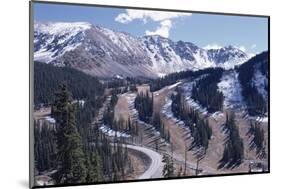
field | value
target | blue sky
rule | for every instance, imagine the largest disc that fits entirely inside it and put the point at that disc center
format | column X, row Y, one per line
column 204, row 30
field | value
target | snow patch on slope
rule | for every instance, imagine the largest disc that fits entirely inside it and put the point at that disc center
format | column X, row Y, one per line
column 231, row 89
column 52, row 40
column 111, row 133
column 163, row 57
column 260, row 81
column 167, row 112
column 61, row 28
column 187, row 88
column 123, row 54
column 187, row 91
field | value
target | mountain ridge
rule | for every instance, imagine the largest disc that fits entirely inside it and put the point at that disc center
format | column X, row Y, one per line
column 102, row 52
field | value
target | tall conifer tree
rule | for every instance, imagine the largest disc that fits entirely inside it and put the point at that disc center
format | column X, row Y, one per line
column 71, row 158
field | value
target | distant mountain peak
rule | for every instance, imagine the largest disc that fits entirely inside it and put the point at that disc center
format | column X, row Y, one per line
column 60, row 27
column 104, row 52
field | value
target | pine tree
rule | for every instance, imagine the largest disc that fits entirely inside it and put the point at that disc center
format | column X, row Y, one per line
column 95, row 169
column 168, row 170
column 44, row 146
column 233, row 153
column 144, row 105
column 90, row 171
column 258, row 140
column 71, row 158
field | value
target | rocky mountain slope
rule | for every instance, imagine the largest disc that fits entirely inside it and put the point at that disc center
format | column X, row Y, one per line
column 103, row 52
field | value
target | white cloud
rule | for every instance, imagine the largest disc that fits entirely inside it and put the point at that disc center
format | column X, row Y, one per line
column 144, row 15
column 253, row 46
column 212, row 46
column 162, row 30
column 164, row 19
column 217, row 46
column 242, row 48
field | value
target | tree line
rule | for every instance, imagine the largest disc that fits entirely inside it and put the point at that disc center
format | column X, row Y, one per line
column 144, row 106
column 160, row 127
column 256, row 104
column 199, row 128
column 233, row 153
column 47, row 79
column 258, row 139
column 172, row 78
column 206, row 92
column 126, row 82
column 44, row 147
column 108, row 116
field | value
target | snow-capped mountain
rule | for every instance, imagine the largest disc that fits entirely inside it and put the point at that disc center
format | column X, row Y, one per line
column 52, row 40
column 103, row 52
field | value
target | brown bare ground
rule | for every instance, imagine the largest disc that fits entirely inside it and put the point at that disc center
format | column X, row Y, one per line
column 216, row 145
column 143, row 88
column 121, row 108
column 176, row 133
column 139, row 165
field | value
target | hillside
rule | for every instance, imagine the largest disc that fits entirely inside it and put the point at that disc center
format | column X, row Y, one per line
column 48, row 78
